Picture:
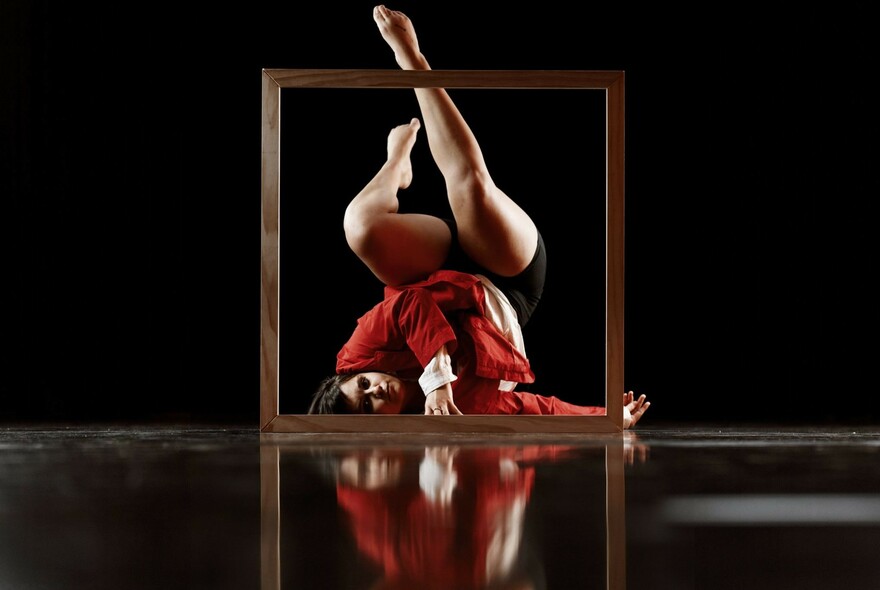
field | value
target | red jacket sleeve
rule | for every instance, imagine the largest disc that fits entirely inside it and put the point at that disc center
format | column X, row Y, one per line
column 523, row 402
column 403, row 331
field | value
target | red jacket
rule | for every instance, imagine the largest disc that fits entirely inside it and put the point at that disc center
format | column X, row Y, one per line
column 401, row 334
column 421, row 543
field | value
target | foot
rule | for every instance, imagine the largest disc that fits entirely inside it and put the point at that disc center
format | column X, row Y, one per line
column 400, row 144
column 398, row 32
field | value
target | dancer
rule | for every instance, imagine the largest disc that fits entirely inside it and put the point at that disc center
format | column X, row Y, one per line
column 447, row 337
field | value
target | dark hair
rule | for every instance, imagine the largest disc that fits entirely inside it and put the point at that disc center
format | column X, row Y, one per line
column 328, row 398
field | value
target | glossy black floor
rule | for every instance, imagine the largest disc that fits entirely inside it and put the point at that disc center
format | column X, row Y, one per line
column 672, row 507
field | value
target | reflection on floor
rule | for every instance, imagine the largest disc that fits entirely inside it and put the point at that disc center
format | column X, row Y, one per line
column 677, row 507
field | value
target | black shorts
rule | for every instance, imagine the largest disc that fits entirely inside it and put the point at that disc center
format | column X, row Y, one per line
column 523, row 290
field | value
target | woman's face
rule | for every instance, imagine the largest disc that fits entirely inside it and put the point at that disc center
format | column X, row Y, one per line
column 375, row 393
column 378, row 469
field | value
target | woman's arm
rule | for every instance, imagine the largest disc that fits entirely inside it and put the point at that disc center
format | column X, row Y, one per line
column 402, row 332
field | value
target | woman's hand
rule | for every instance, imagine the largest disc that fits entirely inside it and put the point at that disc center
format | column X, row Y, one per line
column 439, row 402
column 633, row 408
column 633, row 450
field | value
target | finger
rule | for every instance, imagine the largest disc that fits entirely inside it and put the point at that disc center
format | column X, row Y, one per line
column 635, row 405
column 637, row 414
column 453, row 409
column 448, row 409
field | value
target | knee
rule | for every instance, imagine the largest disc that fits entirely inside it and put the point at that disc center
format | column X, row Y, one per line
column 364, row 230
column 473, row 187
column 359, row 230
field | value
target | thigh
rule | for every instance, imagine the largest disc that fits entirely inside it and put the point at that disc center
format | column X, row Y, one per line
column 523, row 290
column 406, row 247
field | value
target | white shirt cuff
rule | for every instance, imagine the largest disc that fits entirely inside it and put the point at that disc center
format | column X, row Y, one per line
column 438, row 372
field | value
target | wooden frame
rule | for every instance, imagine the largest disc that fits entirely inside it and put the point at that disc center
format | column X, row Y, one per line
column 273, row 446
column 273, row 80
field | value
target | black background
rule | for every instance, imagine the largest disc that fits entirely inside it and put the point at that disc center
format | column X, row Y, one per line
column 131, row 208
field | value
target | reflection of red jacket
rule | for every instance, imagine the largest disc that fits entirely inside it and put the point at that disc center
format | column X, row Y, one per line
column 422, row 544
column 402, row 333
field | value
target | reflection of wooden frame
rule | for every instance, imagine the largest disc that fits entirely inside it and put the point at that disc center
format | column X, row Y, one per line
column 272, row 446
column 273, row 80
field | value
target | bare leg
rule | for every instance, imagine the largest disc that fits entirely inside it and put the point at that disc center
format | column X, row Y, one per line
column 398, row 248
column 493, row 230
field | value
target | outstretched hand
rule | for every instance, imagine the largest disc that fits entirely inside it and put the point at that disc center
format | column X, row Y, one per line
column 633, row 408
